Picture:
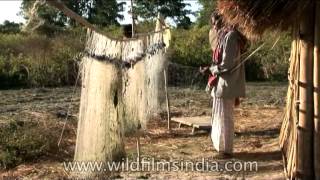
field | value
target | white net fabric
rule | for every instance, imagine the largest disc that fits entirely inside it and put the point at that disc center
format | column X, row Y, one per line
column 142, row 61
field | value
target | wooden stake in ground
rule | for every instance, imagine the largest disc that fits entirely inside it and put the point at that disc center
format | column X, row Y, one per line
column 138, row 150
column 167, row 98
column 316, row 95
column 132, row 16
column 305, row 125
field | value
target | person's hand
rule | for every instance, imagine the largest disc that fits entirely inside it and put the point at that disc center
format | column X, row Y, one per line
column 202, row 70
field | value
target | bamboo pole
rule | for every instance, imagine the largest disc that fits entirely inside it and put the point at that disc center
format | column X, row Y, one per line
column 132, row 16
column 288, row 135
column 305, row 126
column 58, row 4
column 167, row 99
column 296, row 104
column 138, row 150
column 316, row 82
column 68, row 12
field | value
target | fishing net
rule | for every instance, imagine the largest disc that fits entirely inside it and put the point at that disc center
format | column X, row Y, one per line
column 142, row 62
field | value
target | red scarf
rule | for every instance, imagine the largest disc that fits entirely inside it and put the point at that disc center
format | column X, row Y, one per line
column 217, row 56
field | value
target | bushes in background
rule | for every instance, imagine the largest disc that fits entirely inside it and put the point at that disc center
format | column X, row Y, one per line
column 38, row 60
column 32, row 60
column 272, row 61
column 191, row 48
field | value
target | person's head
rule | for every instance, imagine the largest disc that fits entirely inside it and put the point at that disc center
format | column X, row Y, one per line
column 216, row 21
column 127, row 30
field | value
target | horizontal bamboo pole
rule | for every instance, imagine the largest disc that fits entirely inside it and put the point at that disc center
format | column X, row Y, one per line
column 68, row 12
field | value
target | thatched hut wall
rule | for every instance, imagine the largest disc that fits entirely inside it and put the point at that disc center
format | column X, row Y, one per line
column 253, row 18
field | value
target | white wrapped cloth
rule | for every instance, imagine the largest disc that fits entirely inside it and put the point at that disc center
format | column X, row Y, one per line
column 222, row 132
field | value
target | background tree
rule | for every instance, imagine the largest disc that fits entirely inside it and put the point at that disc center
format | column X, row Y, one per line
column 99, row 12
column 106, row 12
column 10, row 27
column 175, row 9
column 208, row 7
column 48, row 14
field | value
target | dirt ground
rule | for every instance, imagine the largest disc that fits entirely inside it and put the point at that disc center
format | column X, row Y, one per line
column 257, row 126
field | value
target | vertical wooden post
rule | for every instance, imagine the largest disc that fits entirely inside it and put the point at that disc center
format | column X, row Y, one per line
column 305, row 125
column 138, row 150
column 132, row 16
column 167, row 98
column 316, row 82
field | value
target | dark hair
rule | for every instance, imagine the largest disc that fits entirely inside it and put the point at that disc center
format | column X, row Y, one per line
column 127, row 30
column 217, row 17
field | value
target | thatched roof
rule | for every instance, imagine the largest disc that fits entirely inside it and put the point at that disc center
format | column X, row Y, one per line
column 254, row 17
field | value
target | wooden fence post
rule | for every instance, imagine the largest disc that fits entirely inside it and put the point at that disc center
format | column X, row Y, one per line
column 167, row 99
column 305, row 125
column 316, row 82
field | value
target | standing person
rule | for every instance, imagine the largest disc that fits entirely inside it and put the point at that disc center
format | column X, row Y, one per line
column 230, row 86
column 215, row 36
column 216, row 25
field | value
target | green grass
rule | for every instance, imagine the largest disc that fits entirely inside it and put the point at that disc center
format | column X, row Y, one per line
column 25, row 142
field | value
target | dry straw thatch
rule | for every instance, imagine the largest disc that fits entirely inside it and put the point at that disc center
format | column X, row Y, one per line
column 254, row 17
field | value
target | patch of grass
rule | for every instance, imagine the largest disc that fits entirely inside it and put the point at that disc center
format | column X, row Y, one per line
column 266, row 94
column 22, row 141
column 36, row 60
